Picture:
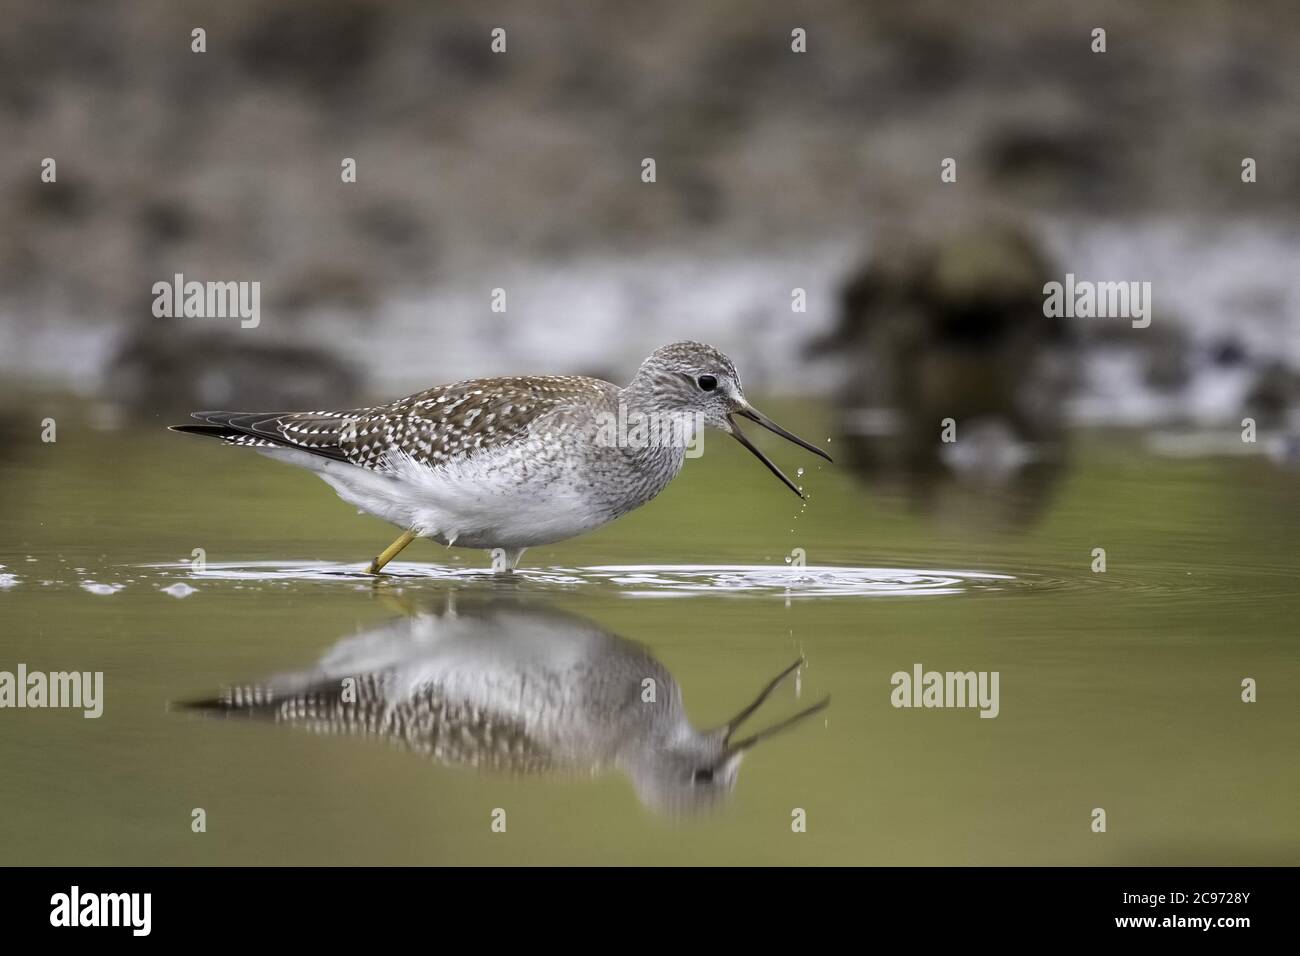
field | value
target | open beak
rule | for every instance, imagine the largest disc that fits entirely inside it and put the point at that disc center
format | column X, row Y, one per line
column 732, row 725
column 760, row 418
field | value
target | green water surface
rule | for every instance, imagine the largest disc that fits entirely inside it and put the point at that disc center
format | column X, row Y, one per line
column 1118, row 690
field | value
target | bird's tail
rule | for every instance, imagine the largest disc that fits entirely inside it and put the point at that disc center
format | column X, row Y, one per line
column 214, row 431
column 239, row 701
column 323, row 434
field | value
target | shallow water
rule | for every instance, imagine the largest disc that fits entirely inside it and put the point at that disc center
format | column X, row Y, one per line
column 1119, row 690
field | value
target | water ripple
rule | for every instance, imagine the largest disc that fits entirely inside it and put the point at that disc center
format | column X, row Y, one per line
column 817, row 581
column 641, row 580
column 1168, row 584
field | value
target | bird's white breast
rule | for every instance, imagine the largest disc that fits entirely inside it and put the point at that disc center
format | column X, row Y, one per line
column 552, row 486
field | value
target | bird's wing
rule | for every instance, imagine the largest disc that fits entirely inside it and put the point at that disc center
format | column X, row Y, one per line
column 442, row 423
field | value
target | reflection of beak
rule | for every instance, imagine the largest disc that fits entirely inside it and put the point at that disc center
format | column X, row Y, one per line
column 756, row 416
column 734, row 723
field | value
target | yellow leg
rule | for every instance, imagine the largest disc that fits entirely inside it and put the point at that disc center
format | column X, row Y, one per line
column 390, row 552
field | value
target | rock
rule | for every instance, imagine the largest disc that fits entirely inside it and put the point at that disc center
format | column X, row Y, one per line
column 952, row 328
column 156, row 372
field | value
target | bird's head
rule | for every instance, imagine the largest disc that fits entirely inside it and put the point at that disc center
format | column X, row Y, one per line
column 688, row 378
column 693, row 770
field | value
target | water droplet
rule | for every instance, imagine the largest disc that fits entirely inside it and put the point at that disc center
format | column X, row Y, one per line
column 798, row 472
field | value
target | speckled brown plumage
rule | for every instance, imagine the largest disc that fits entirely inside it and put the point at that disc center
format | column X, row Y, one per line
column 510, row 463
column 452, row 732
column 433, row 426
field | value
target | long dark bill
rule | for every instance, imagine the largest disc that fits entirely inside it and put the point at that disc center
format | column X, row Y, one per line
column 761, row 419
column 740, row 746
column 731, row 726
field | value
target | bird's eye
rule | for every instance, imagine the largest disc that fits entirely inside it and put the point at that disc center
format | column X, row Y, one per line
column 707, row 382
column 703, row 775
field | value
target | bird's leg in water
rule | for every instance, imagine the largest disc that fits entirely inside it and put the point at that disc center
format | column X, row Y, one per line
column 505, row 560
column 390, row 552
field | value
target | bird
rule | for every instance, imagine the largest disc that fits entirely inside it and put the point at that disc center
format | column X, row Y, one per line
column 515, row 687
column 505, row 464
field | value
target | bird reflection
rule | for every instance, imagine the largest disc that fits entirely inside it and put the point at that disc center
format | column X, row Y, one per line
column 519, row 688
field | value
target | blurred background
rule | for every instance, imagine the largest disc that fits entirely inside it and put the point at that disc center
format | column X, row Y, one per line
column 775, row 171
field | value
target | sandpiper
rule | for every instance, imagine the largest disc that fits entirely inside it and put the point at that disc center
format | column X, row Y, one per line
column 505, row 464
column 516, row 687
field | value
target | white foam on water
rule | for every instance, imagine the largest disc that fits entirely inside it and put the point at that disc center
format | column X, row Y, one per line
column 645, row 580
column 102, row 589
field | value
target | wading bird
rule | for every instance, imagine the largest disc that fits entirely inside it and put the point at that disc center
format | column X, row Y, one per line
column 509, row 463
